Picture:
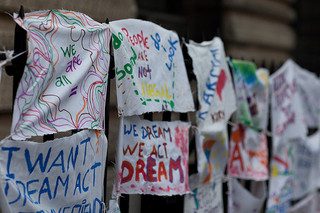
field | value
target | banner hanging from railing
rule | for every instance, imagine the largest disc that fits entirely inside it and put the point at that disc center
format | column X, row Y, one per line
column 308, row 87
column 251, row 92
column 281, row 182
column 65, row 174
column 152, row 157
column 242, row 200
column 150, row 70
column 217, row 102
column 288, row 119
column 204, row 197
column 64, row 83
column 215, row 90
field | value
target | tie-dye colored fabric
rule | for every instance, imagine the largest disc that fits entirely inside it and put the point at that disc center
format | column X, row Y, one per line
column 64, row 83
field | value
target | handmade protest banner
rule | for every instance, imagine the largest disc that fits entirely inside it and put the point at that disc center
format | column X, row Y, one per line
column 308, row 88
column 302, row 168
column 67, row 63
column 313, row 142
column 204, row 198
column 248, row 155
column 287, row 116
column 212, row 154
column 63, row 175
column 241, row 200
column 152, row 157
column 281, row 179
column 150, row 71
column 250, row 93
column 215, row 90
column 113, row 207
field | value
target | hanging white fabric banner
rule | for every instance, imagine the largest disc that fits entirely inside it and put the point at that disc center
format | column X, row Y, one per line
column 65, row 174
column 204, row 198
column 243, row 201
column 288, row 120
column 212, row 154
column 152, row 157
column 248, row 155
column 217, row 103
column 150, row 70
column 215, row 90
column 64, row 83
column 281, row 181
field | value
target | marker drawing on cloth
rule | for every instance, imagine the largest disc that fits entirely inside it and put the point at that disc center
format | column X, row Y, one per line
column 240, row 200
column 281, row 178
column 212, row 154
column 251, row 93
column 262, row 98
column 308, row 88
column 217, row 103
column 204, row 198
column 302, row 165
column 67, row 63
column 215, row 90
column 287, row 116
column 152, row 157
column 65, row 174
column 248, row 155
column 150, row 71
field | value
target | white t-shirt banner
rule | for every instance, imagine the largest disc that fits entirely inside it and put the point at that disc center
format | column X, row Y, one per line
column 248, row 155
column 63, row 175
column 248, row 87
column 215, row 90
column 204, row 198
column 288, row 121
column 67, row 63
column 212, row 154
column 302, row 168
column 308, row 88
column 243, row 201
column 281, row 181
column 152, row 157
column 150, row 70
